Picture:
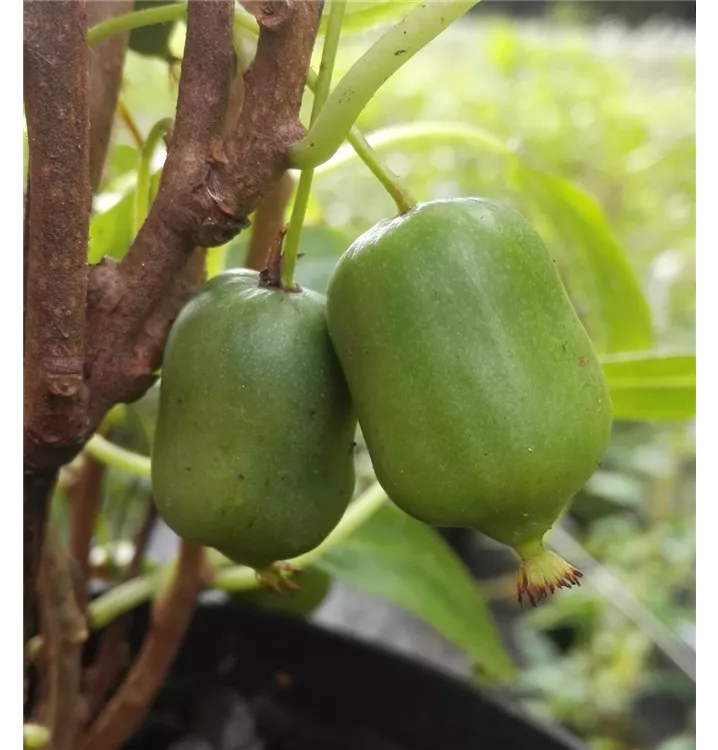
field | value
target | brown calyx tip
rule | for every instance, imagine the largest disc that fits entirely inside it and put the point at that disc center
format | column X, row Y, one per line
column 278, row 577
column 540, row 575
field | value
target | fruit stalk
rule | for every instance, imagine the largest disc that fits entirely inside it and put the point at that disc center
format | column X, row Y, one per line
column 391, row 183
column 304, row 187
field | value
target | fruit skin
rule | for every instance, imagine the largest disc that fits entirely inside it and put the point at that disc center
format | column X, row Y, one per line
column 314, row 585
column 476, row 387
column 253, row 446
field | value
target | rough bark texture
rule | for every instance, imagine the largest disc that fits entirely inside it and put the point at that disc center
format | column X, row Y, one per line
column 106, row 64
column 84, row 498
column 55, row 241
column 209, row 186
column 65, row 632
column 268, row 222
column 94, row 336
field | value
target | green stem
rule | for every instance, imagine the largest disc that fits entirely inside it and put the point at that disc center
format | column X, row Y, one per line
column 391, row 183
column 122, row 599
column 361, row 148
column 108, row 453
column 290, row 250
column 304, row 187
column 131, row 594
column 161, row 14
column 142, row 192
column 392, row 50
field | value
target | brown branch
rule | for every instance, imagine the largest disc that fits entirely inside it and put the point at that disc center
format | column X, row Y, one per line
column 106, row 65
column 123, row 297
column 57, row 219
column 55, row 89
column 64, row 633
column 126, row 118
column 84, row 497
column 209, row 185
column 268, row 222
column 170, row 619
column 113, row 651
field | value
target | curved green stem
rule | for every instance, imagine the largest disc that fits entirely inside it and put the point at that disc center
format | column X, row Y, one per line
column 108, row 453
column 161, row 14
column 398, row 45
column 131, row 594
column 304, row 187
column 134, row 20
column 142, row 192
column 122, row 599
column 361, row 148
column 391, row 183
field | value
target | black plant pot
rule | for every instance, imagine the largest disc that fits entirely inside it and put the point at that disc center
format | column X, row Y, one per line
column 249, row 680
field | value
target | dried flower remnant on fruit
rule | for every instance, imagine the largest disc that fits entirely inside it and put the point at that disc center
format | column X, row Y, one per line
column 540, row 575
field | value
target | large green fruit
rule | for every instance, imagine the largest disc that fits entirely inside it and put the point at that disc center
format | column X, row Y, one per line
column 476, row 387
column 253, row 447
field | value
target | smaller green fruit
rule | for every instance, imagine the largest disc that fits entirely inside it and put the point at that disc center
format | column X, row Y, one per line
column 253, row 450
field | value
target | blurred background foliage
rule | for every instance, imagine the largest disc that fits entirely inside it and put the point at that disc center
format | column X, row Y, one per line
column 586, row 125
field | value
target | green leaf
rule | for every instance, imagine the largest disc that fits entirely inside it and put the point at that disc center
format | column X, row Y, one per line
column 111, row 230
column 360, row 16
column 618, row 315
column 652, row 385
column 409, row 564
column 121, row 160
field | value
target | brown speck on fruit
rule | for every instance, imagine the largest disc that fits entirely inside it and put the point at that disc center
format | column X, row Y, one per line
column 188, row 468
column 240, row 476
column 399, row 52
column 583, row 361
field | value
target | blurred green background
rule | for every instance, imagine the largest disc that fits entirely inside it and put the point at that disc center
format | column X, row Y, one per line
column 527, row 111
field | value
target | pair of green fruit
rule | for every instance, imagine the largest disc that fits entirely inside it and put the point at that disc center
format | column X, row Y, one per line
column 449, row 335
